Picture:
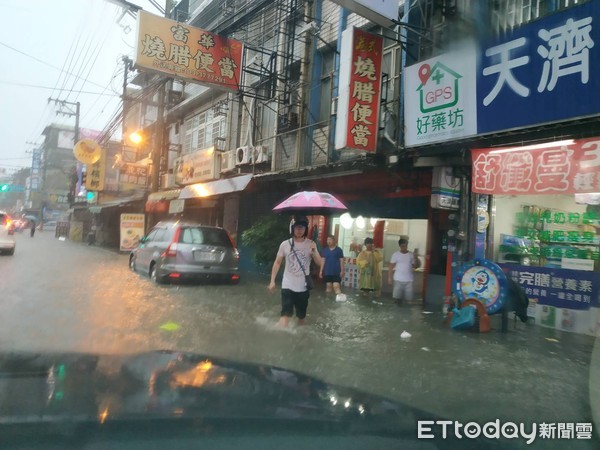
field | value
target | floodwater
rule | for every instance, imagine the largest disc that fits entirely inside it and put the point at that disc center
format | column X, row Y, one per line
column 64, row 296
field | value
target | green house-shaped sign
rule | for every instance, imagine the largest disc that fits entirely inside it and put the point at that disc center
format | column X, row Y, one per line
column 440, row 89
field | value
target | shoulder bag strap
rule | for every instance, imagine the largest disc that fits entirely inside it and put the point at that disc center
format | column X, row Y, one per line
column 296, row 255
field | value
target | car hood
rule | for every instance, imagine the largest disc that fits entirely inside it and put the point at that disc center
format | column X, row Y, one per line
column 57, row 390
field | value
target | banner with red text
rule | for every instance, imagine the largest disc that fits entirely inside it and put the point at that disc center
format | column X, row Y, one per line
column 564, row 167
column 359, row 91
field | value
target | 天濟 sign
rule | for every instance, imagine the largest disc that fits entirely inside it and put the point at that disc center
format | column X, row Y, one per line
column 538, row 73
column 187, row 52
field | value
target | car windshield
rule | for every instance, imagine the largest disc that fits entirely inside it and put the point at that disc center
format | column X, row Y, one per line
column 325, row 219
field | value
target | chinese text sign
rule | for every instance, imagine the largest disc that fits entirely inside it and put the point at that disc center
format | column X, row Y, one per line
column 538, row 73
column 201, row 165
column 132, row 229
column 96, row 174
column 440, row 101
column 187, row 52
column 360, row 91
column 565, row 168
column 563, row 288
column 542, row 72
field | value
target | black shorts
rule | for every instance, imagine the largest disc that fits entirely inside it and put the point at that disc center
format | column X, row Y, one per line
column 291, row 300
column 332, row 279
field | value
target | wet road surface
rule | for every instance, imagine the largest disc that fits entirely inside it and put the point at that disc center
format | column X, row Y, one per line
column 65, row 296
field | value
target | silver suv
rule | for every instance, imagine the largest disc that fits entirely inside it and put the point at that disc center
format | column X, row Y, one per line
column 7, row 241
column 174, row 251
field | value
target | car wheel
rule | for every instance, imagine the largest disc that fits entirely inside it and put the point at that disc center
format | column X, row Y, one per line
column 132, row 263
column 156, row 279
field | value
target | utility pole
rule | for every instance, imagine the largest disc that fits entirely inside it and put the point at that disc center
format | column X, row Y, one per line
column 158, row 147
column 128, row 64
column 71, row 109
column 66, row 109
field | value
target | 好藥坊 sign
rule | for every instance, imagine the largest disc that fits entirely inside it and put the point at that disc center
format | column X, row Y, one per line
column 539, row 73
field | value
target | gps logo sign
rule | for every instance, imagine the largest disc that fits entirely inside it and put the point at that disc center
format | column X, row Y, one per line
column 439, row 87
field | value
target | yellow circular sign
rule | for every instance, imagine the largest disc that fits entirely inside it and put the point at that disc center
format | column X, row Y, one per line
column 87, row 151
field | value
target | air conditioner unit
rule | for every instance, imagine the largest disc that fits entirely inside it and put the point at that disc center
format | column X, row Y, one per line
column 242, row 156
column 228, row 161
column 168, row 180
column 259, row 155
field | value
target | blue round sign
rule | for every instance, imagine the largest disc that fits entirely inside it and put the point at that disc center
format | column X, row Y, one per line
column 485, row 281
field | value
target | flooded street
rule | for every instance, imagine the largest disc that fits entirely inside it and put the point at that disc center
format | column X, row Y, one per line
column 63, row 296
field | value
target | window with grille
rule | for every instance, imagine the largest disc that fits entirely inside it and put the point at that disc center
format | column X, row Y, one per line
column 202, row 130
column 511, row 13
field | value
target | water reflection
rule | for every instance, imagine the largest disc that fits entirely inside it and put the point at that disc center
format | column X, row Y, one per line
column 99, row 306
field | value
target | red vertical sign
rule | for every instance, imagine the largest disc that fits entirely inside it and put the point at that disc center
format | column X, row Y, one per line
column 365, row 91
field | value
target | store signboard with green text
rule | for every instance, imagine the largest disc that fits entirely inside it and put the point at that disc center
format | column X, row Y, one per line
column 541, row 72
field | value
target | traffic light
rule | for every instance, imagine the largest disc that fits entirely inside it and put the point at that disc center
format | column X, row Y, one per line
column 4, row 187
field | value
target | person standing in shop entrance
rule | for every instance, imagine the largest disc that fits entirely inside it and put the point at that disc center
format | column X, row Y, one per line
column 298, row 251
column 401, row 272
column 332, row 270
column 369, row 270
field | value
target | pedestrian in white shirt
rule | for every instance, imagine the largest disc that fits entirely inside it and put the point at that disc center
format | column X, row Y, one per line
column 297, row 252
column 401, row 272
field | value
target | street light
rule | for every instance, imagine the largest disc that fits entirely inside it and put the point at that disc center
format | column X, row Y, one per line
column 136, row 137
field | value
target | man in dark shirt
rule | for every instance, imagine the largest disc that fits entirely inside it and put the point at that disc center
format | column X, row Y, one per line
column 332, row 271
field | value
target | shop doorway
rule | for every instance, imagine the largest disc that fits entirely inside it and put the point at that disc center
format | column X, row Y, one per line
column 352, row 231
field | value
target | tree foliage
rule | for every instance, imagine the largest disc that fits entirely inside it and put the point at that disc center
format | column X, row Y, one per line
column 265, row 236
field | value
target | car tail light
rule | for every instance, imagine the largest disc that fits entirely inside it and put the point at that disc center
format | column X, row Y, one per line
column 236, row 254
column 235, row 277
column 174, row 275
column 172, row 248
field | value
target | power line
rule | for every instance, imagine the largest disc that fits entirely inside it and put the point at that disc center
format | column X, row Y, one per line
column 99, row 47
column 14, row 83
column 80, row 63
column 116, row 72
column 86, row 60
column 44, row 62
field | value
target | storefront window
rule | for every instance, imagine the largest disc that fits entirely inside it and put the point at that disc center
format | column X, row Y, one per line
column 547, row 231
column 550, row 246
column 352, row 231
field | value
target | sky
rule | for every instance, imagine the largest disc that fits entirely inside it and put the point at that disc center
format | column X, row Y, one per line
column 44, row 46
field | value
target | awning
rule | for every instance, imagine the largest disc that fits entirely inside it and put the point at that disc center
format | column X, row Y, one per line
column 164, row 195
column 97, row 209
column 218, row 187
column 391, row 208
